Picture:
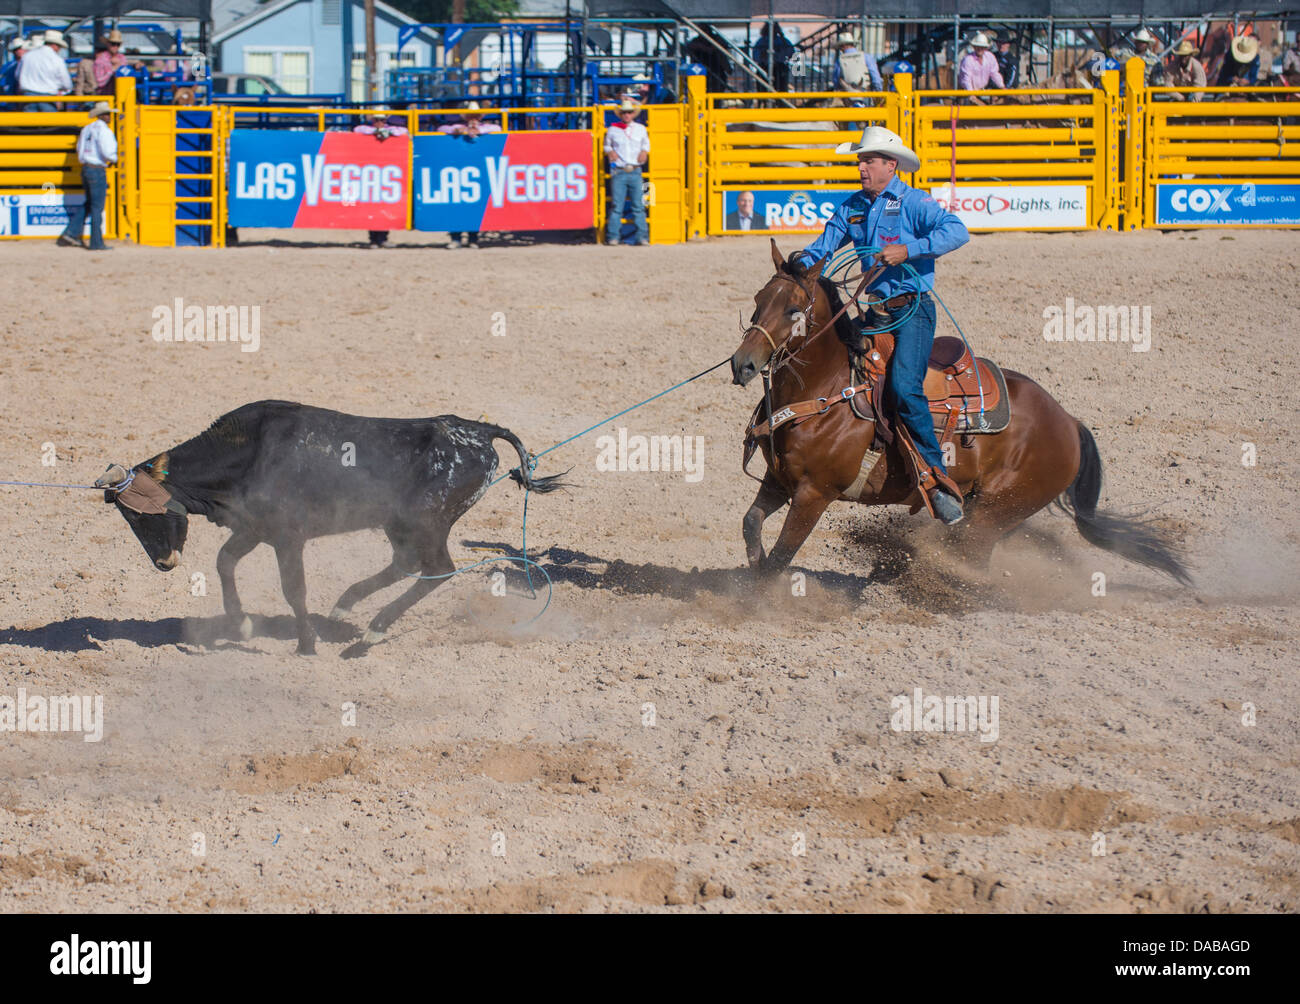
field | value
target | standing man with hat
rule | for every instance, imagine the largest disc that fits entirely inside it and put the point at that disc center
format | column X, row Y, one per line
column 855, row 70
column 97, row 151
column 627, row 145
column 108, row 61
column 979, row 68
column 1008, row 60
column 43, row 72
column 908, row 226
column 1186, row 71
column 9, row 81
column 1143, row 41
column 1240, row 68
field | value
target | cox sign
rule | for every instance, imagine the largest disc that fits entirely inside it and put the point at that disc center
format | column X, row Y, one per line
column 1262, row 204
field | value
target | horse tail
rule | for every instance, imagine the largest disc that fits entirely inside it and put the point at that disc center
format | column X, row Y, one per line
column 1136, row 539
column 523, row 474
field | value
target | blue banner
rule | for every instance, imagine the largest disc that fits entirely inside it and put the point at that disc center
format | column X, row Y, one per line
column 1210, row 202
column 776, row 210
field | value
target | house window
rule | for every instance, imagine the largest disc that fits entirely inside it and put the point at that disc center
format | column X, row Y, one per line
column 386, row 58
column 290, row 68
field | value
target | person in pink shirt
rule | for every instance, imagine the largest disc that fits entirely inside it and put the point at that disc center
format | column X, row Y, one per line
column 379, row 127
column 979, row 68
column 108, row 62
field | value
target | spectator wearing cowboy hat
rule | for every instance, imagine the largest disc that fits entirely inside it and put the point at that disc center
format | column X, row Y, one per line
column 1008, row 60
column 627, row 146
column 908, row 226
column 855, row 70
column 43, row 72
column 97, row 151
column 378, row 126
column 1291, row 63
column 471, row 127
column 108, row 61
column 1240, row 66
column 1143, row 42
column 9, row 80
column 979, row 68
column 1186, row 71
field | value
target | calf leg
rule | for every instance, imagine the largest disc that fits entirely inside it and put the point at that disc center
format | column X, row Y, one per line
column 771, row 496
column 228, row 557
column 293, row 581
column 359, row 591
column 434, row 560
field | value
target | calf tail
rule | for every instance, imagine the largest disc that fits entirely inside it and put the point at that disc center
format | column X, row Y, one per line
column 523, row 474
column 1135, row 539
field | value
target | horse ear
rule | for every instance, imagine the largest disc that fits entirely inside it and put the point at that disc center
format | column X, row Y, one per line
column 778, row 259
column 814, row 273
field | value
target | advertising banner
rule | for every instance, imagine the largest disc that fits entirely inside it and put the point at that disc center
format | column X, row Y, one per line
column 344, row 180
column 1016, row 207
column 783, row 209
column 504, row 182
column 37, row 215
column 1206, row 203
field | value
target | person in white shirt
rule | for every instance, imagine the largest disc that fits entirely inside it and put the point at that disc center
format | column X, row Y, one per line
column 97, row 151
column 43, row 72
column 627, row 146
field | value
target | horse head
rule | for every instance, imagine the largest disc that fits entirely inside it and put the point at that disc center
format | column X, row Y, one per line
column 783, row 311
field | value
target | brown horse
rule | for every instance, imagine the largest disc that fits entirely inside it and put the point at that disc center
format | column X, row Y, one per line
column 1044, row 454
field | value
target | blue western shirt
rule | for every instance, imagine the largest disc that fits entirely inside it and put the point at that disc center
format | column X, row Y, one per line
column 898, row 215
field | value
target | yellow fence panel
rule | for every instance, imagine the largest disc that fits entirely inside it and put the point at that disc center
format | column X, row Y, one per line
column 39, row 168
column 1220, row 163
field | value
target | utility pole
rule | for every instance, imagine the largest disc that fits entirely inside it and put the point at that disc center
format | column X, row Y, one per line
column 371, row 71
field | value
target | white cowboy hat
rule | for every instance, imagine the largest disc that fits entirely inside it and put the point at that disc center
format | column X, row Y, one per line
column 979, row 41
column 35, row 41
column 17, row 43
column 54, row 38
column 1184, row 48
column 845, row 38
column 1142, row 35
column 1244, row 48
column 102, row 108
column 628, row 105
column 877, row 139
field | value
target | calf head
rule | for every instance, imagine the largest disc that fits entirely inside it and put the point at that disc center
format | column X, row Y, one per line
column 158, row 520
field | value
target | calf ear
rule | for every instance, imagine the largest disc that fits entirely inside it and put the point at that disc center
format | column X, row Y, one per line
column 778, row 259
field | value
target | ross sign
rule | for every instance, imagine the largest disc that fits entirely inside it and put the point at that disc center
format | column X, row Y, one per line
column 781, row 210
column 343, row 180
column 1213, row 202
column 1016, row 207
column 505, row 182
column 37, row 215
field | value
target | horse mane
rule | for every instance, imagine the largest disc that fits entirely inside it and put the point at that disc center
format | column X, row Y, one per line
column 844, row 328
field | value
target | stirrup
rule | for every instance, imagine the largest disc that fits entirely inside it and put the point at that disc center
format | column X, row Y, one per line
column 946, row 508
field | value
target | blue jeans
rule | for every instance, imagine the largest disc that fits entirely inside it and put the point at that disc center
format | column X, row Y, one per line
column 42, row 106
column 95, row 180
column 625, row 185
column 906, row 376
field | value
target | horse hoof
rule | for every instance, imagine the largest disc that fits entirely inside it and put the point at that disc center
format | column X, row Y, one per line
column 246, row 628
column 339, row 613
column 372, row 637
column 308, row 648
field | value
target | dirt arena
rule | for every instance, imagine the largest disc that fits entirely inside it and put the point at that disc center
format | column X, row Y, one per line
column 667, row 736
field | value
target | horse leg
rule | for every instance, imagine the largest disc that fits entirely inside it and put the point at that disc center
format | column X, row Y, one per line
column 806, row 509
column 435, row 560
column 228, row 557
column 293, row 581
column 771, row 496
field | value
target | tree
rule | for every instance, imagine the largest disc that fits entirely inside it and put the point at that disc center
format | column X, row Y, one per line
column 439, row 11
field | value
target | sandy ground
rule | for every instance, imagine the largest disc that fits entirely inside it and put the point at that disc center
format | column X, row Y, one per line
column 667, row 737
